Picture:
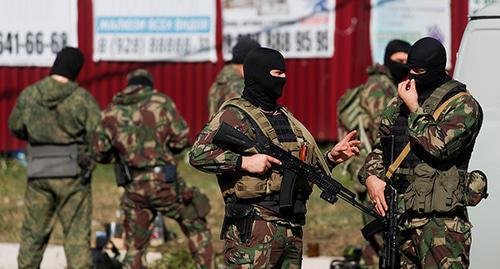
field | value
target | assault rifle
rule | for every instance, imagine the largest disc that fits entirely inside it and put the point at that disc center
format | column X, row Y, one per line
column 291, row 168
column 389, row 225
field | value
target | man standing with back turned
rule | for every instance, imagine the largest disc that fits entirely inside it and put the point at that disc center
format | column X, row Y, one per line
column 141, row 130
column 57, row 118
column 437, row 121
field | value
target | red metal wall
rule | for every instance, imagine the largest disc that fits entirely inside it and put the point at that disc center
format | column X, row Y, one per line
column 312, row 89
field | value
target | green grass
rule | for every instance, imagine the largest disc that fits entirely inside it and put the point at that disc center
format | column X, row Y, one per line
column 330, row 226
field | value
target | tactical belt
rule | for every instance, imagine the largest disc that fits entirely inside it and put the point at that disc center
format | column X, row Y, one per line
column 167, row 171
column 457, row 212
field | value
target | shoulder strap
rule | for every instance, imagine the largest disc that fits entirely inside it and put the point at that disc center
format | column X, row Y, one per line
column 407, row 148
column 255, row 114
column 309, row 138
column 432, row 103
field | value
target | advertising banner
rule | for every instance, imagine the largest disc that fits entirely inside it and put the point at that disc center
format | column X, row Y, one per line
column 32, row 32
column 409, row 20
column 154, row 30
column 297, row 28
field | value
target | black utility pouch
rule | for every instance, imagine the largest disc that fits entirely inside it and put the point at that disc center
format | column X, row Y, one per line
column 242, row 216
column 123, row 174
column 170, row 172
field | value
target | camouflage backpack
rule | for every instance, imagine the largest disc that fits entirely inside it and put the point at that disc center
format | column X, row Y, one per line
column 348, row 108
column 351, row 116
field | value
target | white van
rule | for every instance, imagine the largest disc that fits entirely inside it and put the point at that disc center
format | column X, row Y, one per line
column 478, row 66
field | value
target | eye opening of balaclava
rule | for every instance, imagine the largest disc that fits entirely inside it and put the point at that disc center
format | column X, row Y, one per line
column 428, row 54
column 261, row 88
column 399, row 71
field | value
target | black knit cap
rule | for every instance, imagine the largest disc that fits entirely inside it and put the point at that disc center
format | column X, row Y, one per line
column 68, row 63
column 242, row 48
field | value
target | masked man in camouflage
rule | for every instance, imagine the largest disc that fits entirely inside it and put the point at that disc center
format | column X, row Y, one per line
column 57, row 117
column 360, row 109
column 435, row 232
column 142, row 130
column 229, row 82
column 257, row 233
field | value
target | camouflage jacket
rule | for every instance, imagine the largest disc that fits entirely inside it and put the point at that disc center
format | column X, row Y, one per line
column 210, row 158
column 443, row 139
column 374, row 98
column 143, row 126
column 228, row 84
column 50, row 112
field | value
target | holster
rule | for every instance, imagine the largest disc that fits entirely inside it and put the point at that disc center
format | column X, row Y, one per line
column 242, row 216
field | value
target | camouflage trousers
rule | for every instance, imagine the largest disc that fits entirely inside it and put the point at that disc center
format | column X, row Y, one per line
column 271, row 246
column 141, row 201
column 440, row 243
column 68, row 200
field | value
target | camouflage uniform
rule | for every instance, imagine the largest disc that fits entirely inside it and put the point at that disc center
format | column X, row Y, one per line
column 228, row 84
column 374, row 96
column 50, row 112
column 432, row 240
column 275, row 242
column 145, row 129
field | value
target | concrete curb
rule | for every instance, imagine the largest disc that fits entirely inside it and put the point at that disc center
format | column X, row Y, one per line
column 54, row 258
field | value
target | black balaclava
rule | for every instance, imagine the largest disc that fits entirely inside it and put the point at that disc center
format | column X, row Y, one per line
column 68, row 63
column 399, row 71
column 429, row 54
column 261, row 88
column 242, row 48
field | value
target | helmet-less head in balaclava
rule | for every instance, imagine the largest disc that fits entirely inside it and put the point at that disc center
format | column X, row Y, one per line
column 68, row 63
column 140, row 77
column 399, row 71
column 242, row 48
column 261, row 88
column 430, row 55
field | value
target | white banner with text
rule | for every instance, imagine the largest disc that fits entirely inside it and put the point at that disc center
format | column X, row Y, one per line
column 409, row 20
column 32, row 32
column 297, row 28
column 154, row 30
